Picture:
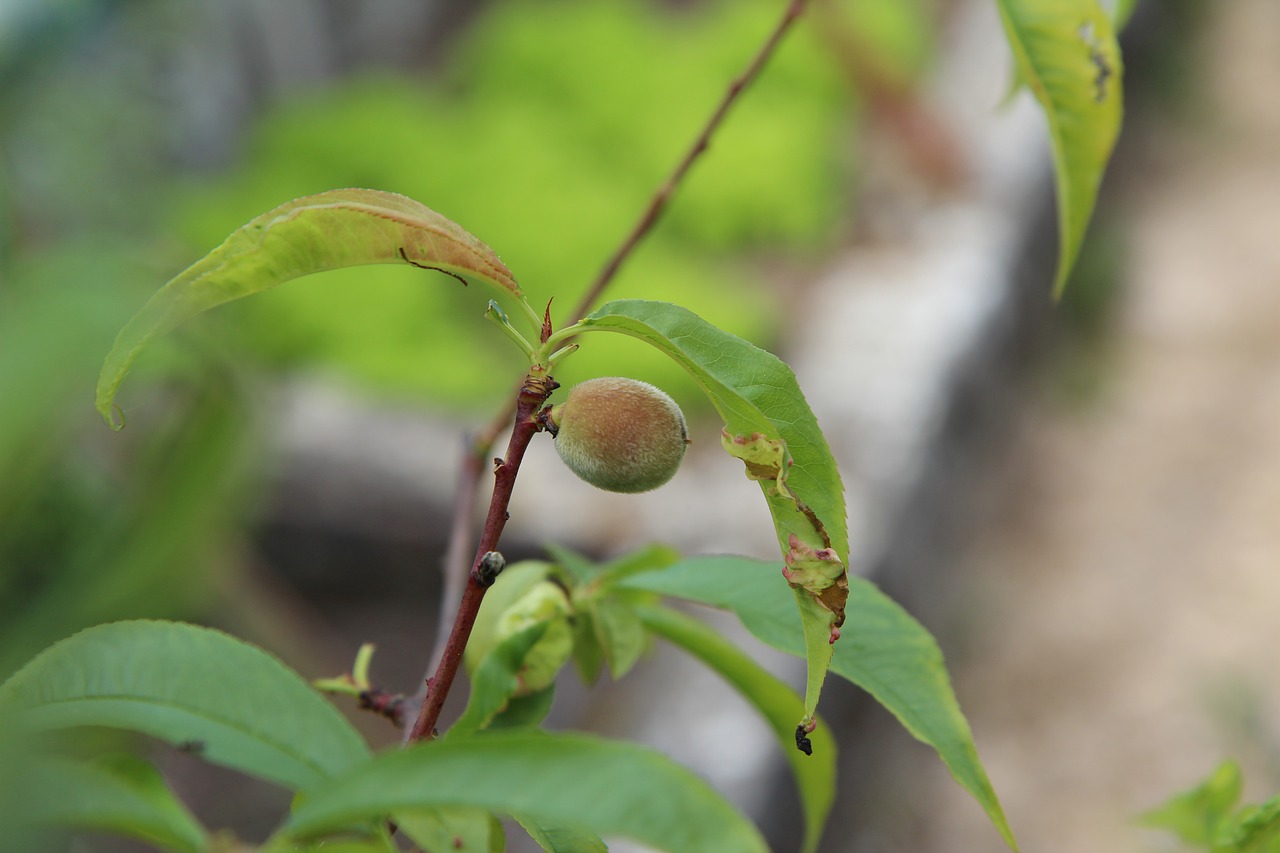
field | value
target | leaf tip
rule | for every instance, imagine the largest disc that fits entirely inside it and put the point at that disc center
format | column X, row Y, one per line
column 112, row 414
column 803, row 730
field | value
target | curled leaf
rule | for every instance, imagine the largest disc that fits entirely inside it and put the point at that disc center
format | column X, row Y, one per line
column 330, row 230
column 770, row 427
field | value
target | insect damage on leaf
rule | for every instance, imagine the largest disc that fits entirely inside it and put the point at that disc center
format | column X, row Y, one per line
column 814, row 568
column 819, row 572
column 765, row 458
column 1099, row 59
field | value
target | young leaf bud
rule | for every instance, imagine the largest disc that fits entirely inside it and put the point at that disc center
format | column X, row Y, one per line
column 620, row 435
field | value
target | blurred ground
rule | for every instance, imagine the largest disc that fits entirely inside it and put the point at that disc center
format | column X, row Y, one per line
column 1121, row 603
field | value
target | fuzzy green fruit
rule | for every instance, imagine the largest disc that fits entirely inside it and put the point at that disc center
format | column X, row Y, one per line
column 620, row 435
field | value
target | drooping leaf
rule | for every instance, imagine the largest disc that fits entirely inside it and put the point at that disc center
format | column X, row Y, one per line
column 769, row 426
column 229, row 701
column 330, row 230
column 815, row 774
column 453, row 830
column 1066, row 53
column 883, row 650
column 121, row 795
column 592, row 785
column 559, row 839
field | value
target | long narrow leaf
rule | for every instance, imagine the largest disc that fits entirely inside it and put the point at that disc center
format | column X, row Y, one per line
column 330, row 230
column 777, row 703
column 884, row 651
column 1067, row 54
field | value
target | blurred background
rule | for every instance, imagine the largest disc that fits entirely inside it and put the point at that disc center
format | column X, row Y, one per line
column 1081, row 500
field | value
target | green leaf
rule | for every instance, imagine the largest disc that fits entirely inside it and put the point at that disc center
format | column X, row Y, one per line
column 512, row 585
column 467, row 830
column 1256, row 829
column 496, row 679
column 330, row 230
column 622, row 637
column 378, row 844
column 1197, row 816
column 524, row 712
column 769, row 426
column 1066, row 52
column 590, row 784
column 230, row 701
column 1122, row 12
column 777, row 703
column 122, row 795
column 584, row 571
column 883, row 650
column 588, row 654
column 559, row 839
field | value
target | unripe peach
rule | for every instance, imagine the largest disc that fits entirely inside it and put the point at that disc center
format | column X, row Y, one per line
column 620, row 435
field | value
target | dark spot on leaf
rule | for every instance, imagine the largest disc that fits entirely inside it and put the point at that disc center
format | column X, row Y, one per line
column 1104, row 70
column 194, row 746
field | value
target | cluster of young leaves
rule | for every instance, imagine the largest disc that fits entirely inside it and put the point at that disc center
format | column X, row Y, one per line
column 1210, row 816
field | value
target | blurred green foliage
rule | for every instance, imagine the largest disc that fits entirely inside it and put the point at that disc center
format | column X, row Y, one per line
column 547, row 134
column 96, row 527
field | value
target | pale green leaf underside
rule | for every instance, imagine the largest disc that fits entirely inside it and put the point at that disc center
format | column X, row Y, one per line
column 592, row 785
column 882, row 649
column 330, row 230
column 227, row 700
column 125, row 797
column 777, row 703
column 1066, row 53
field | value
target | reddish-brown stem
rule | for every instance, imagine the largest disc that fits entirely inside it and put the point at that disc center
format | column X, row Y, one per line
column 533, row 395
column 475, row 452
column 472, row 464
